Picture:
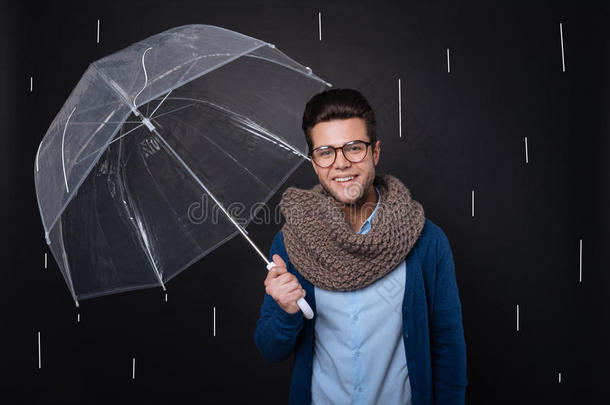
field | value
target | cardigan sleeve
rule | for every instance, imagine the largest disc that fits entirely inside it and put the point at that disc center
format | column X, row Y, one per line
column 447, row 343
column 277, row 330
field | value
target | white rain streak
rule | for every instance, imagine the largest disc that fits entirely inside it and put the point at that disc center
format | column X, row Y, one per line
column 214, row 321
column 39, row 353
column 526, row 153
column 77, row 317
column 580, row 262
column 472, row 198
column 559, row 378
column 98, row 31
column 31, row 84
column 165, row 297
column 320, row 25
column 399, row 111
column 448, row 62
column 563, row 60
column 45, row 260
column 517, row 317
column 133, row 368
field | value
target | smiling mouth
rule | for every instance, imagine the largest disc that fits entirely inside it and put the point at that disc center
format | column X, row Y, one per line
column 345, row 179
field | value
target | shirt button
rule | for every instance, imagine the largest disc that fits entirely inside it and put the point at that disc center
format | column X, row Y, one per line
column 357, row 354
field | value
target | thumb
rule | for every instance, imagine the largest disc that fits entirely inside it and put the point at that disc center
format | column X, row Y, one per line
column 277, row 259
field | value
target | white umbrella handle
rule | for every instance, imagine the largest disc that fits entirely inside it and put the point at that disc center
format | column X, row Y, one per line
column 303, row 305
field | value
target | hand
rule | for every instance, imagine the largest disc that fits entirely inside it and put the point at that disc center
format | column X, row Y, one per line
column 283, row 286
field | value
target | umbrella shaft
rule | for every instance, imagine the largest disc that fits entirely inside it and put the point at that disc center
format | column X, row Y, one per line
column 188, row 169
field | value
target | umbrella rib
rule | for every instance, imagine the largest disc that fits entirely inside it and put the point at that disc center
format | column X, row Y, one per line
column 243, row 119
column 67, row 266
column 131, row 130
column 248, row 127
column 157, row 107
column 170, row 92
column 141, row 230
column 161, row 76
column 145, row 77
column 222, row 208
column 309, row 73
column 174, row 110
column 95, row 107
column 114, row 140
column 150, row 257
column 104, row 122
column 92, row 136
column 194, row 60
column 37, row 153
column 63, row 160
column 230, row 156
column 138, row 224
column 154, row 64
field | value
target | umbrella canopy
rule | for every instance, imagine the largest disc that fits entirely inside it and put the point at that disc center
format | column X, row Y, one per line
column 163, row 151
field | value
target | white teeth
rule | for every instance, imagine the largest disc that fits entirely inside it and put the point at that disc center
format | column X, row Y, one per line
column 344, row 178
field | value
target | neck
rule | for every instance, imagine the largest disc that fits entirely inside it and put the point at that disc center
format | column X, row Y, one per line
column 359, row 211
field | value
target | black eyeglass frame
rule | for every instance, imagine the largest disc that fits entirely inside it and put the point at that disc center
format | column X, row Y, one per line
column 350, row 143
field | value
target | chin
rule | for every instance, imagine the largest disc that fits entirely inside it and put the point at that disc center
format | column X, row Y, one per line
column 344, row 197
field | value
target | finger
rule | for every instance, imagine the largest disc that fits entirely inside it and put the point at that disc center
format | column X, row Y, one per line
column 286, row 278
column 271, row 276
column 276, row 283
column 289, row 287
column 293, row 296
column 277, row 271
column 277, row 259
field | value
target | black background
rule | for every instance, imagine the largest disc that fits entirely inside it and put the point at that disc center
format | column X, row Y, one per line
column 462, row 131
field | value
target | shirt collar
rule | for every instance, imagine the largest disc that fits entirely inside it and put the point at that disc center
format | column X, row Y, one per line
column 366, row 226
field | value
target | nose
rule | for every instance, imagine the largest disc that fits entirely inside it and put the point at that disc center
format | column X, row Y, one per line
column 340, row 160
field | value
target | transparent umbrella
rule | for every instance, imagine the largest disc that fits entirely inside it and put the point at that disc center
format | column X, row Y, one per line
column 196, row 113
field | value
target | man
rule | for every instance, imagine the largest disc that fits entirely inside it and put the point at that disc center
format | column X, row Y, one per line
column 378, row 274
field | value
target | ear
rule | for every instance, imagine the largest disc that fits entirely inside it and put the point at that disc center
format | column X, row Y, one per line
column 376, row 152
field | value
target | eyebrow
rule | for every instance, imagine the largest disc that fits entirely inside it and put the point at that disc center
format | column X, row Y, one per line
column 340, row 146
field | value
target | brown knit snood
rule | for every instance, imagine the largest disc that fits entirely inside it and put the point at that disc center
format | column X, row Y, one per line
column 326, row 250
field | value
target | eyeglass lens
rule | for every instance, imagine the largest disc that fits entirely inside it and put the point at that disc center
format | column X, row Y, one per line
column 354, row 152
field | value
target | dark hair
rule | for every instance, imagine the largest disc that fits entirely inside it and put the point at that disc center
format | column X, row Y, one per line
column 338, row 104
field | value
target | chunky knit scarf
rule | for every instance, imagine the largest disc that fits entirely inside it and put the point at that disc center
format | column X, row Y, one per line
column 326, row 250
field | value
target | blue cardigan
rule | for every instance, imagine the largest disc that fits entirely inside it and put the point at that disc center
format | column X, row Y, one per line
column 432, row 329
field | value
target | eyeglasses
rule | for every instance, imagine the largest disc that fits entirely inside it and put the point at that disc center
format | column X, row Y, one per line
column 354, row 151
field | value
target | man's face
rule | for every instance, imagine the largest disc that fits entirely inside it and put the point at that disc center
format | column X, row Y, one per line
column 337, row 133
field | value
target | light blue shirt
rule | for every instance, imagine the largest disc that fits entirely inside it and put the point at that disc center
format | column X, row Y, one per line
column 359, row 355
